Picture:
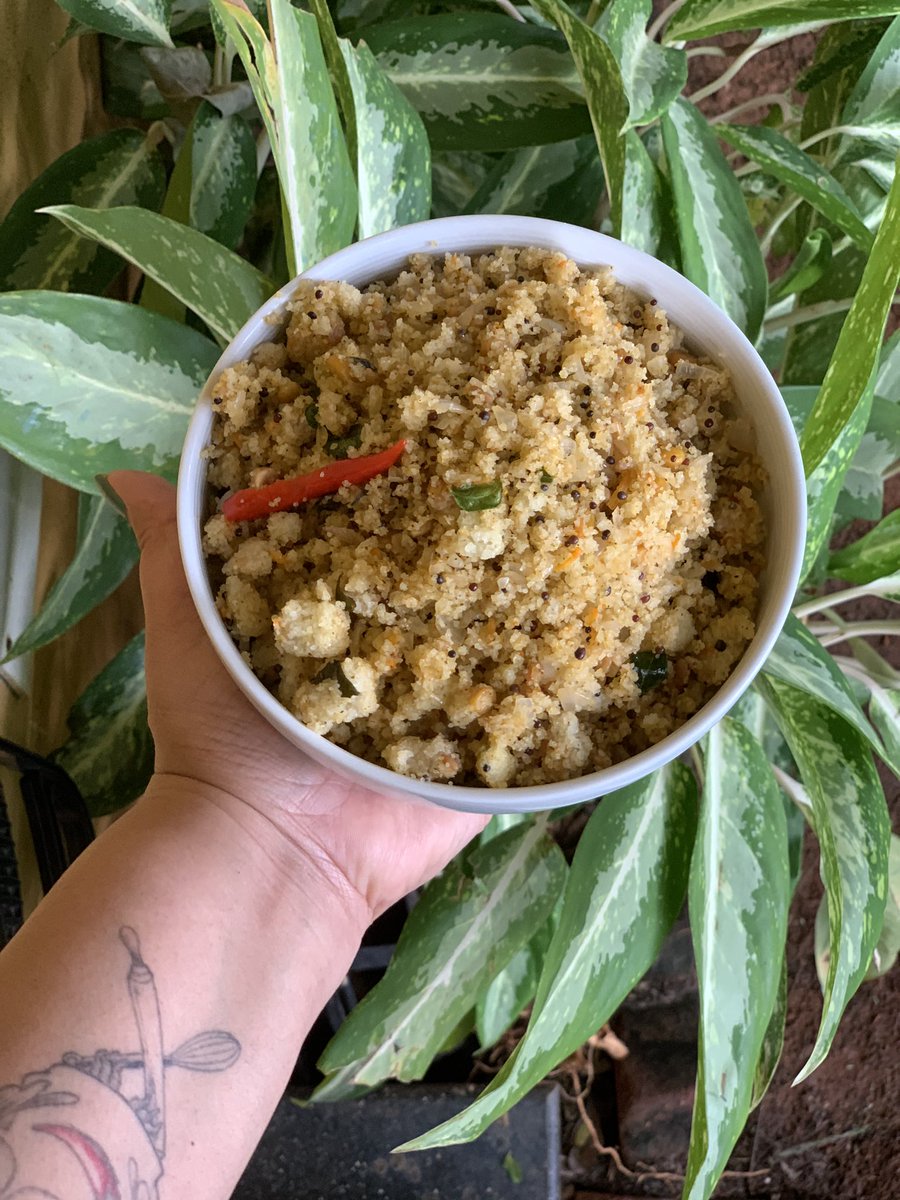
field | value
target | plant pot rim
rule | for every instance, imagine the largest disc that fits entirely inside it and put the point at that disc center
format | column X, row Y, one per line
column 705, row 327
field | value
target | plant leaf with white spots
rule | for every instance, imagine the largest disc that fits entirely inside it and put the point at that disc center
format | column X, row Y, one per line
column 872, row 556
column 850, row 819
column 109, row 754
column 89, row 386
column 562, row 181
column 738, row 897
column 512, row 988
column 719, row 248
column 701, row 18
column 884, row 712
column 625, row 889
column 293, row 93
column 481, row 81
column 104, row 554
column 875, row 90
column 824, row 483
column 222, row 288
column 773, row 1041
column 120, row 167
column 646, row 204
column 393, row 166
column 652, row 75
column 223, row 175
column 468, row 924
column 805, row 176
column 855, row 356
column 605, row 94
column 145, row 21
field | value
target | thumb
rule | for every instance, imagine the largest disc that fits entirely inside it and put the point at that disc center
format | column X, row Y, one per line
column 149, row 501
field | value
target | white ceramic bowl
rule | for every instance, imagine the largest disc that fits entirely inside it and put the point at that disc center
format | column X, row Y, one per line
column 706, row 329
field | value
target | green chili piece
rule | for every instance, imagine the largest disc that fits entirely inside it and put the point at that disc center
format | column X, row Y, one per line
column 475, row 497
column 312, row 416
column 546, row 477
column 651, row 669
column 339, row 445
column 335, row 671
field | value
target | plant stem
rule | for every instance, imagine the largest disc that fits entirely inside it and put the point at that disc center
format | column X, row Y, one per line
column 778, row 220
column 809, row 312
column 827, row 133
column 778, row 98
column 820, row 603
column 729, row 73
column 664, row 17
column 790, row 785
column 700, row 51
column 829, row 636
column 510, row 9
column 697, row 762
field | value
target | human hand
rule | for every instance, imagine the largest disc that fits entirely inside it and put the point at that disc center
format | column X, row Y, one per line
column 207, row 733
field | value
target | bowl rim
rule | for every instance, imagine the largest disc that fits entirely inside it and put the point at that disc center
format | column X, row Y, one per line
column 473, row 234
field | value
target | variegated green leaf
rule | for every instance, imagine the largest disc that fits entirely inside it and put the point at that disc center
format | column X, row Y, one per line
column 181, row 75
column 807, row 268
column 652, row 75
column 456, row 177
column 512, row 988
column 481, row 81
column 824, row 483
column 294, row 95
column 646, row 204
column 773, row 152
column 887, row 381
column 625, row 888
column 121, row 167
column 872, row 556
column 393, row 156
column 104, row 554
column 468, row 924
column 738, row 898
column 856, row 354
column 884, row 711
column 798, row 659
column 862, row 495
column 850, row 819
column 222, row 288
column 110, row 751
column 888, row 949
column 562, row 181
column 876, row 89
column 223, row 175
column 605, row 94
column 719, row 248
column 773, row 1041
column 145, row 21
column 128, row 87
column 701, row 18
column 89, row 386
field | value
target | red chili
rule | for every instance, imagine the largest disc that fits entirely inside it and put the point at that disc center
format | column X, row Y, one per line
column 250, row 503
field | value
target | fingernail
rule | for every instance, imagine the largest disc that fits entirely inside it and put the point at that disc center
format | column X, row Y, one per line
column 110, row 495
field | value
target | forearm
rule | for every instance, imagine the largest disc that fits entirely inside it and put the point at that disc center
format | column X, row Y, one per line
column 243, row 935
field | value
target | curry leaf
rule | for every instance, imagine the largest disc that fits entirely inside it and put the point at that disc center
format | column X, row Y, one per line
column 856, row 353
column 145, row 21
column 121, row 167
column 872, row 556
column 467, row 924
column 105, row 553
column 481, row 81
column 606, row 99
column 222, row 288
column 738, row 896
column 652, row 75
column 701, row 18
column 293, row 92
column 110, row 751
column 773, row 152
column 625, row 888
column 720, row 251
column 850, row 820
column 89, row 386
column 393, row 156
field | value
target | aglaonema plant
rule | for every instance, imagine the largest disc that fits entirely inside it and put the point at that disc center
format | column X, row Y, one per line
column 264, row 137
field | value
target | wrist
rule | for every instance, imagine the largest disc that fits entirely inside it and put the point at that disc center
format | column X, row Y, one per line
column 279, row 848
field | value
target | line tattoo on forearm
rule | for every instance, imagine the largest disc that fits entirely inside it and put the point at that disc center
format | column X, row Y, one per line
column 98, row 1122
